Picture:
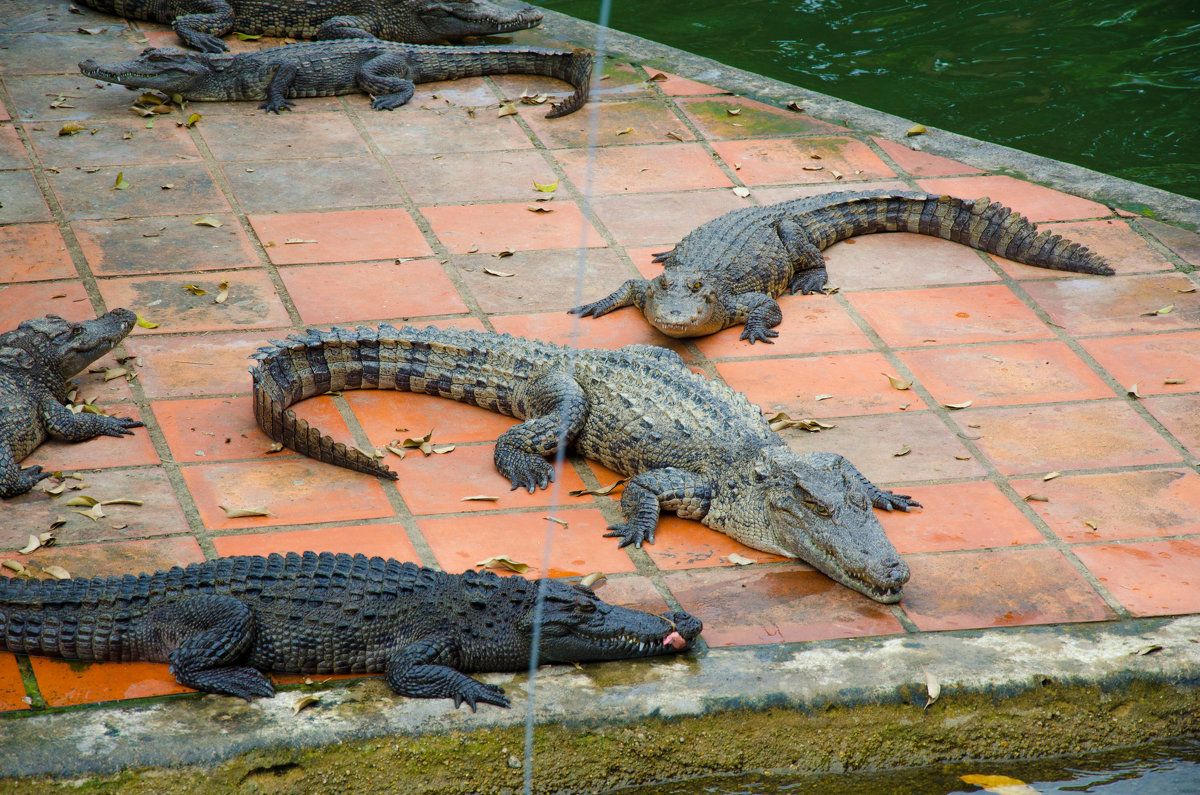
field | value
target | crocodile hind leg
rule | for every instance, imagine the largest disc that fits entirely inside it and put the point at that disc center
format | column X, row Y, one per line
column 204, row 24
column 426, row 669
column 386, row 78
column 556, row 408
column 61, row 423
column 202, row 637
column 631, row 293
column 808, row 265
column 345, row 27
column 15, row 481
column 666, row 489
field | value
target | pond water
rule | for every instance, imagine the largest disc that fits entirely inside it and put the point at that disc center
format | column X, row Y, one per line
column 1168, row 769
column 1108, row 84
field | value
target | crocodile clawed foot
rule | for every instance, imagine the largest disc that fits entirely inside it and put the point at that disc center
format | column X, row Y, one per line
column 891, row 501
column 480, row 692
column 120, row 426
column 204, row 42
column 594, row 309
column 630, row 533
column 756, row 334
column 536, row 473
column 276, row 107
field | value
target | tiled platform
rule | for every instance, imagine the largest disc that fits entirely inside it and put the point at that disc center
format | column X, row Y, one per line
column 1058, row 495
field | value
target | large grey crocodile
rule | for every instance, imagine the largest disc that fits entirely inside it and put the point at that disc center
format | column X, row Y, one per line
column 37, row 361
column 385, row 69
column 201, row 23
column 690, row 445
column 221, row 623
column 730, row 270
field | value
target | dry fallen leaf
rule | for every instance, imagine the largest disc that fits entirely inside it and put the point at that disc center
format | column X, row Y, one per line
column 822, row 397
column 503, row 562
column 395, row 448
column 916, row 129
column 1142, row 652
column 195, row 289
column 295, row 241
column 508, row 252
column 905, row 450
column 57, row 572
column 115, row 372
column 740, row 560
column 963, row 405
column 674, row 135
column 222, row 292
column 781, row 420
column 33, row 544
column 600, row 492
column 480, row 498
column 538, row 208
column 548, row 188
column 1164, row 310
column 144, row 323
column 733, row 111
column 1091, row 524
column 741, row 192
column 1052, row 476
column 933, row 687
column 306, row 700
column 795, row 106
column 122, row 501
column 121, row 183
column 1133, row 391
column 238, row 513
column 507, row 109
column 208, row 220
column 1174, row 380
column 15, row 566
column 1036, row 498
column 1002, row 785
column 625, row 131
column 248, row 36
column 71, row 128
column 556, row 520
column 595, row 580
column 80, row 499
column 95, row 513
column 897, row 383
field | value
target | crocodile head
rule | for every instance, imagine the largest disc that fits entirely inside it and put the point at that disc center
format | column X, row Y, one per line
column 73, row 346
column 454, row 19
column 814, row 507
column 162, row 69
column 577, row 626
column 684, row 303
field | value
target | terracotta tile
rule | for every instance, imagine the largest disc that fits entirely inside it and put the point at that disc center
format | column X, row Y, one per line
column 91, row 195
column 223, row 429
column 108, row 146
column 33, row 252
column 923, row 164
column 438, row 483
column 643, row 260
column 543, row 280
column 22, row 198
column 1153, row 578
column 773, row 195
column 163, row 244
column 92, row 387
column 855, row 382
column 1156, row 502
column 103, row 451
column 903, row 260
column 661, row 219
column 266, row 137
column 623, row 327
column 384, row 540
column 998, row 588
column 12, row 151
column 687, row 544
column 197, row 364
column 340, row 236
column 12, row 688
column 998, row 375
column 870, row 443
column 774, row 162
column 383, row 413
column 335, row 293
column 1125, row 250
column 298, row 491
column 753, row 605
column 88, row 99
column 811, row 324
column 49, row 53
column 642, row 169
column 4, row 115
column 1149, row 360
column 16, row 301
column 954, row 516
column 1180, row 415
column 1099, row 433
column 67, row 682
column 1115, row 305
column 329, row 183
column 251, row 300
column 636, row 593
column 420, row 130
column 29, row 16
column 620, row 81
column 1033, row 201
column 638, row 121
column 1184, row 243
column 948, row 315
column 496, row 227
column 116, row 558
column 461, row 542
column 160, row 513
column 474, row 176
column 676, row 86
column 750, row 119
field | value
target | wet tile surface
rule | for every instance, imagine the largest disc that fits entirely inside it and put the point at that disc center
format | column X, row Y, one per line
column 340, row 215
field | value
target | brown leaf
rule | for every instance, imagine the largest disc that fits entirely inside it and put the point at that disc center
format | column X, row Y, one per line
column 208, row 220
column 394, row 448
column 595, row 580
column 740, row 560
column 508, row 252
column 658, row 77
column 507, row 109
column 503, row 562
column 794, row 106
column 963, row 405
column 600, row 492
column 897, row 383
column 275, row 447
column 95, row 513
column 905, row 450
column 222, row 292
column 122, row 501
column 480, row 498
column 1036, row 498
column 57, row 572
column 238, row 513
column 676, row 136
column 538, row 208
column 115, row 372
column 307, row 700
column 33, row 544
column 195, row 289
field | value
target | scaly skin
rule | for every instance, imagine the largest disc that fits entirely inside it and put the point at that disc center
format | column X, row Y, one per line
column 201, row 23
column 326, row 68
column 729, row 271
column 37, row 361
column 221, row 623
column 689, row 445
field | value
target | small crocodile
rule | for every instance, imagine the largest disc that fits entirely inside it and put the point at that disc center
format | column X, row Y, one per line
column 730, row 270
column 384, row 69
column 223, row 622
column 689, row 445
column 201, row 23
column 37, row 361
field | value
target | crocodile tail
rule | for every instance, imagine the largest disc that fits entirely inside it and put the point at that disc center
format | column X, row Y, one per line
column 576, row 70
column 979, row 223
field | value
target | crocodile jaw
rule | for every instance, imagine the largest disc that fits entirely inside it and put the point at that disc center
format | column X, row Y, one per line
column 454, row 20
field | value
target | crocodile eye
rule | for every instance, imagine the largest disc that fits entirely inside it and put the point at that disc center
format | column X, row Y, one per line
column 817, row 507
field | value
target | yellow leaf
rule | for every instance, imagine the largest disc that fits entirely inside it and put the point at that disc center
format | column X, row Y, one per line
column 115, row 372
column 222, row 292
column 57, row 572
column 144, row 323
column 897, row 383
column 1004, row 785
column 15, row 566
column 548, row 188
column 121, row 183
column 507, row 109
column 195, row 289
column 916, row 129
column 238, row 513
column 71, row 128
column 33, row 544
column 503, row 562
column 191, row 120
column 249, row 37
column 122, row 501
column 625, row 131
column 905, row 450
column 1165, row 310
column 81, row 499
column 208, row 220
column 595, row 580
column 309, row 699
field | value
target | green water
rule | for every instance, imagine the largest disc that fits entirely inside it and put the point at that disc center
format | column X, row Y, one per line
column 1111, row 85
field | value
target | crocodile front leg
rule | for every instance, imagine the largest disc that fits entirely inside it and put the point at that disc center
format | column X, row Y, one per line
column 346, row 27
column 631, row 293
column 556, row 408
column 61, row 423
column 15, row 481
column 808, row 264
column 204, row 24
column 385, row 77
column 427, row 669
column 278, row 90
column 759, row 311
column 666, row 489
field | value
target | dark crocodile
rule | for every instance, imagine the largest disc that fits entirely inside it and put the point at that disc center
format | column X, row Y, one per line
column 384, row 69
column 730, row 270
column 690, row 445
column 201, row 23
column 37, row 361
column 221, row 623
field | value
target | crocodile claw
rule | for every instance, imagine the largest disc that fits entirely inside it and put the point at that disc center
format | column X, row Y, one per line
column 532, row 474
column 888, row 501
column 275, row 107
column 119, row 426
column 204, row 42
column 479, row 691
column 757, row 334
column 629, row 533
column 595, row 308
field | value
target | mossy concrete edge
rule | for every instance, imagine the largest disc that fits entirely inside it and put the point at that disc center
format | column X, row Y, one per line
column 997, row 663
column 1104, row 188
